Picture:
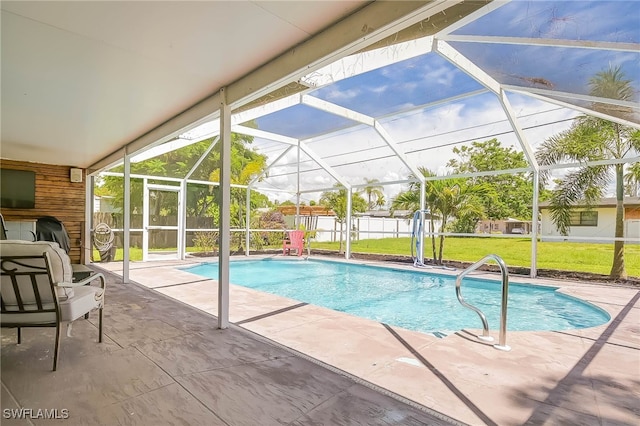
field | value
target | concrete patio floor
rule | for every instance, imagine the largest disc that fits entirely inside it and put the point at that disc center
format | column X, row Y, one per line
column 587, row 377
column 165, row 363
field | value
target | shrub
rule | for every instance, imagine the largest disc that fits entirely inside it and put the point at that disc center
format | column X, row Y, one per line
column 206, row 241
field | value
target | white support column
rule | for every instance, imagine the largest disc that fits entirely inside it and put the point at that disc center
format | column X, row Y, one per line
column 247, row 236
column 182, row 221
column 347, row 251
column 534, row 225
column 297, row 219
column 145, row 219
column 87, row 247
column 126, row 240
column 423, row 185
column 225, row 218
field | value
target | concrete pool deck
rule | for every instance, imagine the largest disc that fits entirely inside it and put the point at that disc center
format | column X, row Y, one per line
column 589, row 376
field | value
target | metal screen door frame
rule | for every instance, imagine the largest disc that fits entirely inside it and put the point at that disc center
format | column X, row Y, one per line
column 147, row 227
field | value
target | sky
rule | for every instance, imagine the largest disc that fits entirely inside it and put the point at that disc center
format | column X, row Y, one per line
column 406, row 96
column 428, row 138
column 428, row 135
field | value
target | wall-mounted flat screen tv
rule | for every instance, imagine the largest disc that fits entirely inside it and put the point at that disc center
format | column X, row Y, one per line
column 17, row 189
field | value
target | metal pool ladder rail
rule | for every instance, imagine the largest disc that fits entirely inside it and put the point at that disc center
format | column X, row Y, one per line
column 503, row 312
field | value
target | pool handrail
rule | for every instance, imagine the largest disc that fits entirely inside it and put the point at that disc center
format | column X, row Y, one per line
column 503, row 310
column 417, row 238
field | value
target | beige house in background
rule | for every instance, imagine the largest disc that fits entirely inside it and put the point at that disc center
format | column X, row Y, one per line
column 597, row 222
column 505, row 226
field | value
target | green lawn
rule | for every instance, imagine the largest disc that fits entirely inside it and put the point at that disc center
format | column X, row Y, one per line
column 563, row 256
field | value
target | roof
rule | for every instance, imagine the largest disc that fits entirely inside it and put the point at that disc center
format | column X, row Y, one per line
column 290, row 210
column 604, row 202
column 97, row 77
column 83, row 79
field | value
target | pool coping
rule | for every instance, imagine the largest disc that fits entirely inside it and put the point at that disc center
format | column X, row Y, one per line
column 546, row 375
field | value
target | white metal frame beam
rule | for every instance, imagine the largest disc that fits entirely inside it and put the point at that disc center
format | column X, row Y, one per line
column 391, row 143
column 344, row 38
column 449, row 53
column 550, row 42
column 266, row 109
column 490, row 7
column 338, row 110
column 266, row 169
column 367, row 120
column 204, row 155
column 249, row 131
column 513, row 120
column 366, row 61
column 337, row 176
column 544, row 95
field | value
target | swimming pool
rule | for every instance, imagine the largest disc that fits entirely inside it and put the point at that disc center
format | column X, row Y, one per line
column 415, row 300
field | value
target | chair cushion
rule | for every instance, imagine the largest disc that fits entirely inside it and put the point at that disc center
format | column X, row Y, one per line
column 84, row 300
column 42, row 318
column 60, row 262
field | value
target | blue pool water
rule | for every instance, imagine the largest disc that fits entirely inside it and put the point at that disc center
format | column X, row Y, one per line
column 417, row 300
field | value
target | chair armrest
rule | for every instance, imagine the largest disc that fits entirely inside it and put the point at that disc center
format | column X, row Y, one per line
column 85, row 281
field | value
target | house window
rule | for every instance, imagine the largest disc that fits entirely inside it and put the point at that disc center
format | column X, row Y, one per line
column 584, row 219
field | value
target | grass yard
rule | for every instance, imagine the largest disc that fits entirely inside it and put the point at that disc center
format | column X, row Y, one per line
column 562, row 256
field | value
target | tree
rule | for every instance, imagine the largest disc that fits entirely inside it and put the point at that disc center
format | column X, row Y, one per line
column 632, row 180
column 410, row 200
column 593, row 139
column 446, row 198
column 337, row 201
column 458, row 198
column 508, row 194
column 177, row 164
column 246, row 165
column 374, row 193
column 202, row 199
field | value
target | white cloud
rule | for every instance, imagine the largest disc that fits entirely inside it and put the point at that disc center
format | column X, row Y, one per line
column 438, row 128
column 337, row 96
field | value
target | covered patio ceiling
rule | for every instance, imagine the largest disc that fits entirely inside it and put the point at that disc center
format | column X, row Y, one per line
column 518, row 71
column 83, row 80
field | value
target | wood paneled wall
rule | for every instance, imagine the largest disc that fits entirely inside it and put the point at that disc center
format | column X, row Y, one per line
column 56, row 196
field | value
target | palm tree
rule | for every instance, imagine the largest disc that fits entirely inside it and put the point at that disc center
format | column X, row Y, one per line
column 410, row 200
column 458, row 198
column 337, row 201
column 632, row 180
column 447, row 198
column 593, row 139
column 374, row 193
column 243, row 173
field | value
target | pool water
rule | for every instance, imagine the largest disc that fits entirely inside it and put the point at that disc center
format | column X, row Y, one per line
column 415, row 300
